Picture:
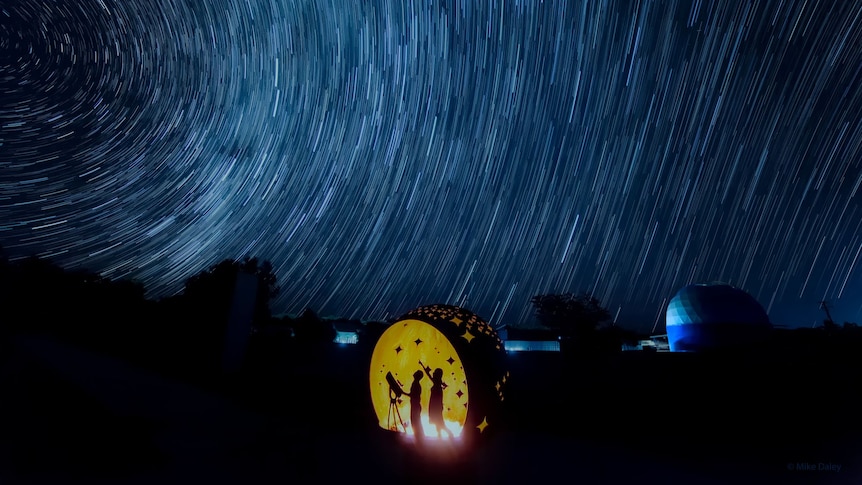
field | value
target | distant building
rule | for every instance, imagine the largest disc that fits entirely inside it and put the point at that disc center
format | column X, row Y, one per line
column 661, row 342
column 529, row 340
column 347, row 331
column 656, row 343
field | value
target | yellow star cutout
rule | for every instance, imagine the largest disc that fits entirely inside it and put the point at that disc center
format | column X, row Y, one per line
column 457, row 321
column 467, row 335
column 483, row 425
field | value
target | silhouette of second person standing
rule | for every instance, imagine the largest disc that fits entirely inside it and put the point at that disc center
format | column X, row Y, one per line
column 435, row 402
column 415, row 395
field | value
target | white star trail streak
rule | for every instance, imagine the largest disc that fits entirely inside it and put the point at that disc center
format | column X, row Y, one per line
column 389, row 154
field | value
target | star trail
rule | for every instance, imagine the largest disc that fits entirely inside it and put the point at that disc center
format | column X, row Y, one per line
column 389, row 154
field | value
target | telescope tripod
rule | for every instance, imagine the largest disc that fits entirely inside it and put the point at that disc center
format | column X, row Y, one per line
column 393, row 406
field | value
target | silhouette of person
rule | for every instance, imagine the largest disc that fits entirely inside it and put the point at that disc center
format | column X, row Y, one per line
column 435, row 402
column 415, row 395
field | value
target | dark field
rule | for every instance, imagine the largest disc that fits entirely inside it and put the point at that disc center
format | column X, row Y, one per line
column 302, row 415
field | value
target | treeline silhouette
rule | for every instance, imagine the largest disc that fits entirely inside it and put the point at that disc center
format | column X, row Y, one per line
column 38, row 297
column 294, row 370
column 185, row 332
column 182, row 335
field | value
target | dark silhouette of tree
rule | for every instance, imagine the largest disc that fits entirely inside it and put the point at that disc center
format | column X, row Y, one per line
column 193, row 326
column 80, row 306
column 5, row 323
column 267, row 286
column 211, row 291
column 570, row 314
column 308, row 327
column 577, row 319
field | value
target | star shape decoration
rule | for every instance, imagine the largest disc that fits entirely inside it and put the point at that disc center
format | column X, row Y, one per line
column 468, row 336
column 459, row 393
column 398, row 349
column 450, row 360
column 457, row 321
column 417, row 341
column 483, row 425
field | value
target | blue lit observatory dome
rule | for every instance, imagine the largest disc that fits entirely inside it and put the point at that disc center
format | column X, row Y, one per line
column 714, row 316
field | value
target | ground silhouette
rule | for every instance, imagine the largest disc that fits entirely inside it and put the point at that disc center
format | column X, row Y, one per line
column 692, row 404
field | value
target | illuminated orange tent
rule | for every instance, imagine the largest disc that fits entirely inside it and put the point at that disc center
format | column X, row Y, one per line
column 438, row 373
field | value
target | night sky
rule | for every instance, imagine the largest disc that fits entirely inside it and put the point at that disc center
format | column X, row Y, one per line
column 390, row 154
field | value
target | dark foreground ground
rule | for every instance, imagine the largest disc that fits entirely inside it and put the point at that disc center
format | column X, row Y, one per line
column 69, row 415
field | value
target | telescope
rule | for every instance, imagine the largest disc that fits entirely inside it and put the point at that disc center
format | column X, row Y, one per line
column 394, row 387
column 395, row 392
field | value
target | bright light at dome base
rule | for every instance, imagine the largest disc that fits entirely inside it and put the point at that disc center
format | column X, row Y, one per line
column 440, row 450
column 431, row 431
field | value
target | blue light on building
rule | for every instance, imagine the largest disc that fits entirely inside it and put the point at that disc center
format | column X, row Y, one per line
column 714, row 316
column 531, row 346
column 529, row 339
column 346, row 338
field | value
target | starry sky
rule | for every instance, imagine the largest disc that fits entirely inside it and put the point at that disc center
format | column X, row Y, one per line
column 388, row 154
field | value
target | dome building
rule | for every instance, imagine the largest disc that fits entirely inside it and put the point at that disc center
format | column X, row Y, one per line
column 704, row 317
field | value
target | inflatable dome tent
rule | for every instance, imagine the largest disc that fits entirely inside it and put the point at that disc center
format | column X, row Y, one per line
column 445, row 346
column 705, row 317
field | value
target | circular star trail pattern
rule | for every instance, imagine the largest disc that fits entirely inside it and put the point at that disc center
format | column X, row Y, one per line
column 389, row 154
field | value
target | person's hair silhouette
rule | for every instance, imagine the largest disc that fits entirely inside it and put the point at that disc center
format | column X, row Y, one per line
column 416, row 405
column 435, row 402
